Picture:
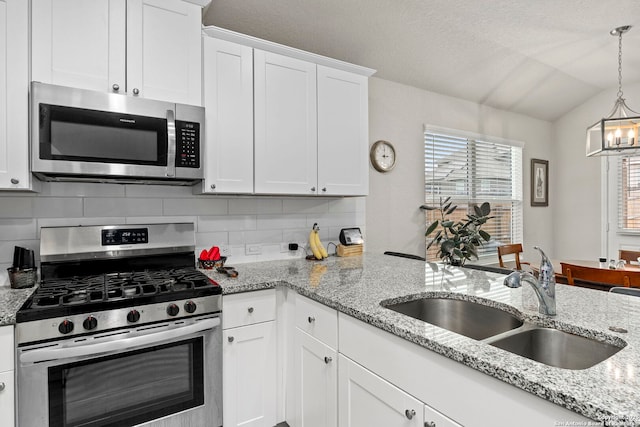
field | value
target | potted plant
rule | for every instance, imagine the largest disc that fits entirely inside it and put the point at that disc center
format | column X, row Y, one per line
column 460, row 239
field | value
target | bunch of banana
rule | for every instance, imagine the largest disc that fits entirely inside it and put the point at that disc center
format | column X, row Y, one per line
column 315, row 244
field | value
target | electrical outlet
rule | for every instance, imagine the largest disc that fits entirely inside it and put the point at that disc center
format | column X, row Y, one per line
column 225, row 250
column 254, row 249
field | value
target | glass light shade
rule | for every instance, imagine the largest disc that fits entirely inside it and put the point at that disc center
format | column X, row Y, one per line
column 616, row 134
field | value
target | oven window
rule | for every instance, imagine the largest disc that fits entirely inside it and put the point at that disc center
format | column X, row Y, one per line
column 98, row 136
column 128, row 388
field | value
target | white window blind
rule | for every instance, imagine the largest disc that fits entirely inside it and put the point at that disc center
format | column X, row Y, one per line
column 472, row 171
column 629, row 194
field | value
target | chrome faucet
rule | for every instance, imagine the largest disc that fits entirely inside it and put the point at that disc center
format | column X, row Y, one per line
column 545, row 285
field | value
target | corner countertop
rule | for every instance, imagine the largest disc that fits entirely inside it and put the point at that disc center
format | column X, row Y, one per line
column 606, row 392
column 10, row 301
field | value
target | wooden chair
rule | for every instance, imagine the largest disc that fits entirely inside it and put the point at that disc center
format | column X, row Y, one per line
column 585, row 276
column 628, row 255
column 514, row 249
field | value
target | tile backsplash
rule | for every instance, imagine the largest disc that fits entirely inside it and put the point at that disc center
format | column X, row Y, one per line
column 235, row 221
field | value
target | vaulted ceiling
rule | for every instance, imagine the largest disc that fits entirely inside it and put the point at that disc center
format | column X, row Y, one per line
column 541, row 58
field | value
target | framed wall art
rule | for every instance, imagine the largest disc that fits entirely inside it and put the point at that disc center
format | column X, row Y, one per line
column 539, row 182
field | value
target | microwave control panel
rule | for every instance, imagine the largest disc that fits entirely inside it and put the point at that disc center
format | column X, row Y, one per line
column 187, row 144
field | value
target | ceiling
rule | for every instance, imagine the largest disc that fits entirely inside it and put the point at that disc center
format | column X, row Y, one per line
column 541, row 58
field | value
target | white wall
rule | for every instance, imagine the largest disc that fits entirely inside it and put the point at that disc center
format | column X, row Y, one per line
column 235, row 221
column 397, row 113
column 577, row 221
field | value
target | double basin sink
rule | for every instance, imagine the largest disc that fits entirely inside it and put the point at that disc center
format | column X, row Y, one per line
column 504, row 330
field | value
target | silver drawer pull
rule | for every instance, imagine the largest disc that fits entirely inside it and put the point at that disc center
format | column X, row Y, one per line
column 429, row 424
column 311, row 319
column 250, row 309
column 410, row 413
column 327, row 359
column 15, row 181
column 230, row 339
column 116, row 87
column 2, row 386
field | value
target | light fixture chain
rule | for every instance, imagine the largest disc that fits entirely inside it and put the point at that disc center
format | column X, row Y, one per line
column 620, row 65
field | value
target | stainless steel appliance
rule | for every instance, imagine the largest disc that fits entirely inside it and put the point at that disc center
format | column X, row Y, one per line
column 83, row 135
column 122, row 331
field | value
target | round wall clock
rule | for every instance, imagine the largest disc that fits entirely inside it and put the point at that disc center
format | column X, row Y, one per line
column 383, row 156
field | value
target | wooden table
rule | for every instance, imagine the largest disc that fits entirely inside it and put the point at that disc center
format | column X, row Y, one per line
column 560, row 278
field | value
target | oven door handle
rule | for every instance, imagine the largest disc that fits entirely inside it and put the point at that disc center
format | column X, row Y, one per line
column 44, row 354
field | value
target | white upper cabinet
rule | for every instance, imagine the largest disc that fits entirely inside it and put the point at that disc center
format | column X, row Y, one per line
column 14, row 90
column 149, row 48
column 285, row 125
column 228, row 101
column 343, row 121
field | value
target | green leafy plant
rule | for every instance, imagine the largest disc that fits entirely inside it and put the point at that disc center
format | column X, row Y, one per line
column 458, row 240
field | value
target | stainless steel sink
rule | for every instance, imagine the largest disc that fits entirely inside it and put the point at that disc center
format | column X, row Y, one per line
column 466, row 318
column 557, row 348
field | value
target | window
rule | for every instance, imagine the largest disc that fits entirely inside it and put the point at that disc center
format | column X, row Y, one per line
column 629, row 195
column 472, row 170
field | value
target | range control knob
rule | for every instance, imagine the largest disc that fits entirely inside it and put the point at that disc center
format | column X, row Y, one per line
column 190, row 306
column 133, row 316
column 65, row 327
column 173, row 310
column 90, row 323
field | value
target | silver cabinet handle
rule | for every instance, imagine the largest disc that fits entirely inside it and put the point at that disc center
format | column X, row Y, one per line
column 429, row 424
column 313, row 189
column 115, row 87
column 250, row 309
column 410, row 413
column 311, row 319
column 324, row 189
column 213, row 186
column 136, row 91
column 2, row 386
column 15, row 181
column 230, row 339
column 327, row 359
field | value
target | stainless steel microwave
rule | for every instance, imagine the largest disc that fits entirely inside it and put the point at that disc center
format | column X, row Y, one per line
column 83, row 135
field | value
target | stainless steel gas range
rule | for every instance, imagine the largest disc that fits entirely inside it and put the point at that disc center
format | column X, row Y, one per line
column 122, row 331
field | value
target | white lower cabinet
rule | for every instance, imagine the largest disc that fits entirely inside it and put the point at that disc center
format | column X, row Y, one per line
column 7, row 379
column 316, row 379
column 249, row 360
column 367, row 400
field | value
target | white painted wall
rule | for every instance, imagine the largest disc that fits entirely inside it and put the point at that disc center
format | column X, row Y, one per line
column 577, row 199
column 397, row 113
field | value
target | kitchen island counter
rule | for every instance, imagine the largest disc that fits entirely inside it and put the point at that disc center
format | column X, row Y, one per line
column 357, row 286
column 10, row 301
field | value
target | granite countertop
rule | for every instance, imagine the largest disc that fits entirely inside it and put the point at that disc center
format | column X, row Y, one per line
column 606, row 392
column 10, row 301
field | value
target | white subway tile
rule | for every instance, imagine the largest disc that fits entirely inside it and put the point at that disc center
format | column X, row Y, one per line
column 262, row 205
column 16, row 207
column 18, row 229
column 251, row 237
column 305, row 205
column 81, row 189
column 157, row 191
column 4, row 274
column 6, row 249
column 300, row 235
column 122, row 207
column 163, row 220
column 334, row 220
column 271, row 222
column 72, row 222
column 195, row 206
column 226, row 223
column 207, row 240
column 57, row 207
column 347, row 204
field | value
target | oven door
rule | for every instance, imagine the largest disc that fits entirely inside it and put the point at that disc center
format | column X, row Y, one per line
column 165, row 375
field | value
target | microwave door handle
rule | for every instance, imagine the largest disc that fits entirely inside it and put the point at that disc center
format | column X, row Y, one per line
column 43, row 354
column 171, row 149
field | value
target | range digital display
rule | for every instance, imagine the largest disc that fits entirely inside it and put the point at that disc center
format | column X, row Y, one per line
column 128, row 236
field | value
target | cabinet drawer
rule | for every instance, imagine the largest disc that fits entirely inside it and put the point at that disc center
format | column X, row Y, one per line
column 317, row 320
column 6, row 348
column 248, row 308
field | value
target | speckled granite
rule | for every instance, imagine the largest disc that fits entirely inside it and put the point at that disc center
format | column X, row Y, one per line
column 607, row 392
column 10, row 301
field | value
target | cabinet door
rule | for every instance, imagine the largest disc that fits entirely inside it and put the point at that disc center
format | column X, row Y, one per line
column 228, row 100
column 368, row 400
column 316, row 382
column 164, row 52
column 343, row 120
column 249, row 375
column 79, row 43
column 14, row 94
column 285, row 125
column 7, row 392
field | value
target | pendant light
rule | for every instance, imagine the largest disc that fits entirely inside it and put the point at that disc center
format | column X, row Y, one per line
column 616, row 134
